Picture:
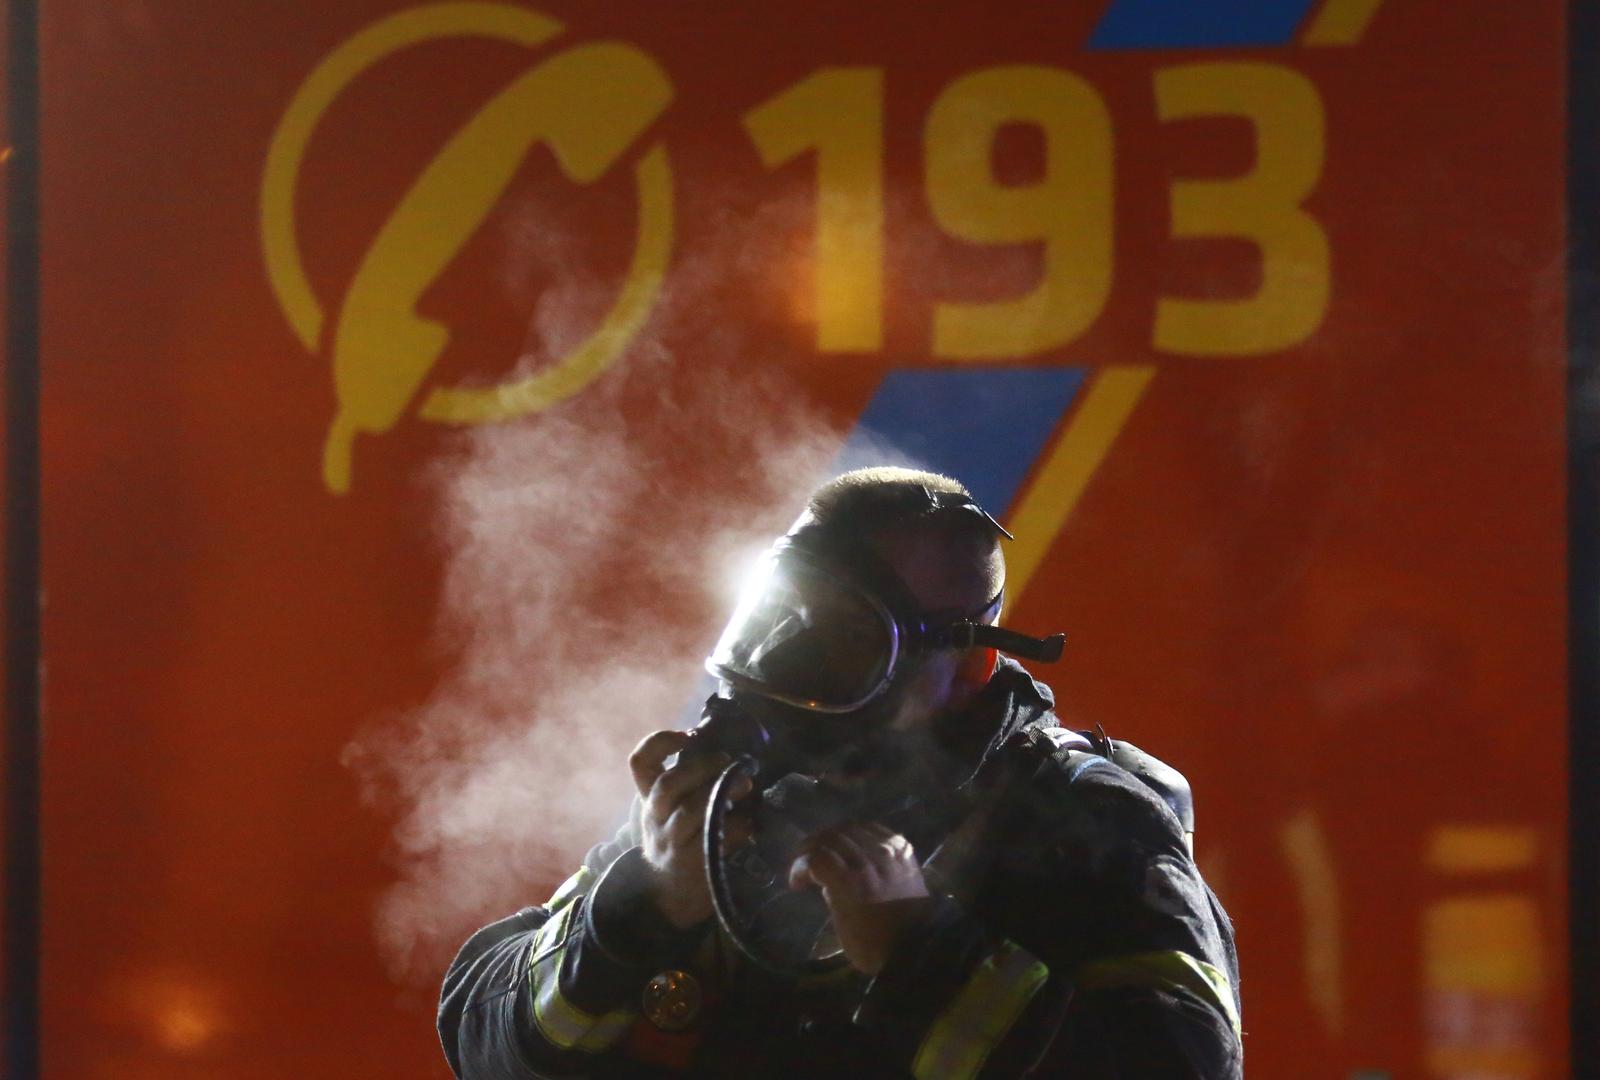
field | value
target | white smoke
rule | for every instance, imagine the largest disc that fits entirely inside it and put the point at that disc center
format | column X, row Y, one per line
column 579, row 601
column 589, row 558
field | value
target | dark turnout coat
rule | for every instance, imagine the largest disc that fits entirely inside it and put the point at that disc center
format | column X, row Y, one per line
column 1080, row 941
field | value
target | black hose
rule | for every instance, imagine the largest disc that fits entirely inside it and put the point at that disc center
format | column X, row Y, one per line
column 722, row 900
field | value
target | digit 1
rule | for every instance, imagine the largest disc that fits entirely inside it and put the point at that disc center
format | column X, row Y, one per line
column 1263, row 206
column 837, row 112
column 1069, row 208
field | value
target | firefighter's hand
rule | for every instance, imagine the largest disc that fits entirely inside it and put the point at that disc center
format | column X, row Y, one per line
column 673, row 819
column 872, row 883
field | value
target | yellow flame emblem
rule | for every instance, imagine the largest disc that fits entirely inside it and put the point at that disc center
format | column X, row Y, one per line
column 589, row 104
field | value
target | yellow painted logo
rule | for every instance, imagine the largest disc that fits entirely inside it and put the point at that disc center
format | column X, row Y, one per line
column 588, row 103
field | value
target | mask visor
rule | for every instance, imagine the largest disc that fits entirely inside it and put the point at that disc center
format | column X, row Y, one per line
column 804, row 637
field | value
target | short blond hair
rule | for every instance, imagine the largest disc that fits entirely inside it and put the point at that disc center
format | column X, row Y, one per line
column 882, row 499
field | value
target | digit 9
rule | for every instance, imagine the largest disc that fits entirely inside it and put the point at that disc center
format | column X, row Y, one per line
column 1069, row 208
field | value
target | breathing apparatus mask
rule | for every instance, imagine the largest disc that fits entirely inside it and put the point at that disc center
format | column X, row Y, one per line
column 826, row 629
column 822, row 644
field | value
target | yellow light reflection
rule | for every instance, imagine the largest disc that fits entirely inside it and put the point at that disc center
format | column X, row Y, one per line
column 1484, row 943
column 184, row 1028
column 1484, row 970
column 179, row 1011
column 1305, row 846
column 1482, row 849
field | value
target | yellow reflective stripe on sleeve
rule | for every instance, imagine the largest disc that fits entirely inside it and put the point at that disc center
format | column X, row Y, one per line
column 1164, row 970
column 961, row 1039
column 552, row 933
column 573, row 887
column 562, row 1023
column 568, row 1027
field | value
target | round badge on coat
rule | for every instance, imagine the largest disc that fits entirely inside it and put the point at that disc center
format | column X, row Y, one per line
column 672, row 1000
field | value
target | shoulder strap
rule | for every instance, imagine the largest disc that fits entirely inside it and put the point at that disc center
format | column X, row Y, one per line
column 1072, row 748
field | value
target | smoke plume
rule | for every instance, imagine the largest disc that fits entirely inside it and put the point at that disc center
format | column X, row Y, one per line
column 591, row 554
column 579, row 602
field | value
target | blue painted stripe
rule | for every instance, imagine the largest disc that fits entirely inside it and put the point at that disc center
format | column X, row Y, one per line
column 1180, row 24
column 983, row 426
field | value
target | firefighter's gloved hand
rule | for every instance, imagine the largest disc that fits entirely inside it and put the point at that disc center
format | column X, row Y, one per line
column 872, row 882
column 672, row 819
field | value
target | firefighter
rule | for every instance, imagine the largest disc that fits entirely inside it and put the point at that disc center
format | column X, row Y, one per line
column 1007, row 897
